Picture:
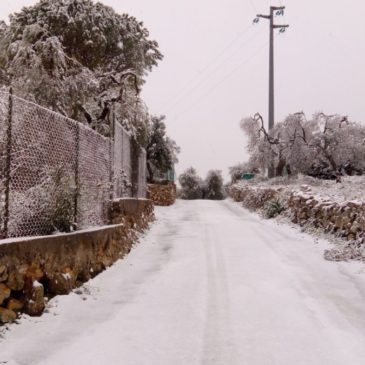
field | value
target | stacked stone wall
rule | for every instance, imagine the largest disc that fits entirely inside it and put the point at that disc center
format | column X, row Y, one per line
column 253, row 198
column 33, row 269
column 345, row 220
column 162, row 194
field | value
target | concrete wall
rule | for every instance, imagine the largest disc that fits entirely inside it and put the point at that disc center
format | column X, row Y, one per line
column 34, row 268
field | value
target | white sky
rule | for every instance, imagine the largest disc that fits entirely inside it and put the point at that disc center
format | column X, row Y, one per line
column 215, row 69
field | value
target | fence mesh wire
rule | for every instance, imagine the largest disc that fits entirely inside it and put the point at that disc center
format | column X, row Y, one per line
column 4, row 104
column 43, row 147
column 62, row 174
column 94, row 178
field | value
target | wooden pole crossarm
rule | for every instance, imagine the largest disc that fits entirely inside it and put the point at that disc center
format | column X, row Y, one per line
column 280, row 26
column 264, row 16
column 277, row 7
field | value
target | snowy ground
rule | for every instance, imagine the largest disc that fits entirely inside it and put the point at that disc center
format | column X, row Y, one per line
column 210, row 284
column 350, row 188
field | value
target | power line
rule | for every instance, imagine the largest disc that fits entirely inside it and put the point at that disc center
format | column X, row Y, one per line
column 253, row 5
column 201, row 73
column 227, row 76
column 204, row 77
column 219, row 54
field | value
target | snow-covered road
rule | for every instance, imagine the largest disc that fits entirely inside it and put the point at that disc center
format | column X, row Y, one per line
column 209, row 284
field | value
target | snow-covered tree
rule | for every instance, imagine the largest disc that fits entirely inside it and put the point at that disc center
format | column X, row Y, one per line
column 79, row 58
column 213, row 185
column 324, row 146
column 191, row 185
column 338, row 144
column 161, row 150
column 174, row 149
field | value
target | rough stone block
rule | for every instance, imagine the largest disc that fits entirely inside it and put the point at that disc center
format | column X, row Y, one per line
column 7, row 315
column 34, row 298
column 15, row 305
column 4, row 293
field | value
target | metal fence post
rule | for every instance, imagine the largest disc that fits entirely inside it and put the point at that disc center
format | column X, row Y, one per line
column 77, row 174
column 8, row 163
column 111, row 154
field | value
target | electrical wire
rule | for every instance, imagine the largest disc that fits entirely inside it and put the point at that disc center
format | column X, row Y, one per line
column 204, row 77
column 253, row 6
column 227, row 76
column 201, row 72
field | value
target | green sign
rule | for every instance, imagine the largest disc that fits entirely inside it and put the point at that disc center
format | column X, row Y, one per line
column 247, row 176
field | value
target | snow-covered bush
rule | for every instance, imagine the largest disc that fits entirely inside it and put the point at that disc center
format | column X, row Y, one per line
column 46, row 207
column 213, row 186
column 236, row 171
column 191, row 185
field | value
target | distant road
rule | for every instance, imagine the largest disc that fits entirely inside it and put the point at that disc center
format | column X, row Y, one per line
column 210, row 284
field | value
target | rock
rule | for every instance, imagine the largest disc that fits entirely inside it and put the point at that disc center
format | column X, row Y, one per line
column 303, row 216
column 4, row 293
column 355, row 228
column 84, row 275
column 3, row 273
column 351, row 237
column 34, row 298
column 34, row 272
column 62, row 283
column 15, row 305
column 7, row 315
column 16, row 278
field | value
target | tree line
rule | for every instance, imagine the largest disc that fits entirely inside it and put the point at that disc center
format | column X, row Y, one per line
column 194, row 187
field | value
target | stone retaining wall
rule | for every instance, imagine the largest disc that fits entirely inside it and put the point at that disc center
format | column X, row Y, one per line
column 345, row 219
column 162, row 195
column 34, row 268
column 252, row 197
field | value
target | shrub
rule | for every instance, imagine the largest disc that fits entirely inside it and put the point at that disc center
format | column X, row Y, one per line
column 273, row 208
column 191, row 185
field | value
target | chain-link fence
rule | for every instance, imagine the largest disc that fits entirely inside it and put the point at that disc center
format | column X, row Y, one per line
column 58, row 174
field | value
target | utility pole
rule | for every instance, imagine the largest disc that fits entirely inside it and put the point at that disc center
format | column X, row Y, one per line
column 274, row 10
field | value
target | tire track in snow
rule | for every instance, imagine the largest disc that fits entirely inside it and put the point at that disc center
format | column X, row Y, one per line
column 218, row 345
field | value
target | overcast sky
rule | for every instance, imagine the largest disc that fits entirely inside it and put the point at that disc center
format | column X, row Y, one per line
column 215, row 69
